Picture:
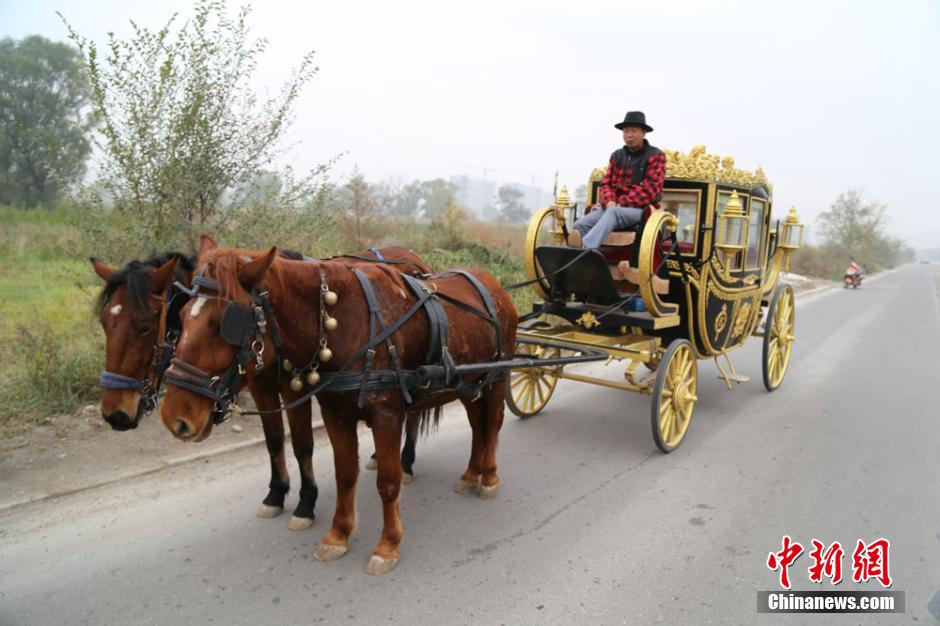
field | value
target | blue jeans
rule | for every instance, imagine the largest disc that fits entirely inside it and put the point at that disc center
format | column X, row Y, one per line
column 596, row 225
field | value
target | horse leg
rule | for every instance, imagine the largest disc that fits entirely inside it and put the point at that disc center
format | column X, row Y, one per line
column 493, row 401
column 470, row 480
column 386, row 432
column 301, row 435
column 345, row 442
column 408, row 451
column 408, row 455
column 273, row 425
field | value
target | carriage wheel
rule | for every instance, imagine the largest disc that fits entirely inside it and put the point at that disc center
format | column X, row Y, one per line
column 778, row 338
column 530, row 388
column 674, row 395
column 541, row 232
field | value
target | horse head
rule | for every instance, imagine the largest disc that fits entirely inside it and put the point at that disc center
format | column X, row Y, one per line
column 132, row 311
column 222, row 342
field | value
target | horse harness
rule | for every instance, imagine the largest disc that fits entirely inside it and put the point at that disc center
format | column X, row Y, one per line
column 244, row 326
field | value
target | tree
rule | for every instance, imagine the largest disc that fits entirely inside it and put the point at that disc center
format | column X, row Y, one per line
column 181, row 124
column 356, row 201
column 437, row 194
column 855, row 227
column 43, row 114
column 851, row 223
column 511, row 206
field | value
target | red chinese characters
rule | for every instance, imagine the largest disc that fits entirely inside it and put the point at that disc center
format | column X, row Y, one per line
column 783, row 559
column 826, row 563
column 871, row 561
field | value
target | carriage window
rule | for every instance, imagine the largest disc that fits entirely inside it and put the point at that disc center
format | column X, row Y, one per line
column 755, row 221
column 684, row 205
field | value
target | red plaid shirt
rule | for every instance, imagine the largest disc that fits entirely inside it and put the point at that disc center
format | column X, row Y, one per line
column 616, row 185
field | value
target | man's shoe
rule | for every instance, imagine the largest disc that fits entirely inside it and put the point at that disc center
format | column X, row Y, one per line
column 574, row 239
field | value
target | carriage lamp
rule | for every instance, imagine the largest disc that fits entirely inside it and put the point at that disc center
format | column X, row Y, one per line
column 731, row 228
column 562, row 205
column 792, row 238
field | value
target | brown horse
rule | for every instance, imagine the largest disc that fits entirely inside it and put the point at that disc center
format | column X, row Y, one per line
column 326, row 320
column 132, row 308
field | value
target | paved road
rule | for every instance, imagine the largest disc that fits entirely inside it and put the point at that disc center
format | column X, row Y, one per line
column 592, row 525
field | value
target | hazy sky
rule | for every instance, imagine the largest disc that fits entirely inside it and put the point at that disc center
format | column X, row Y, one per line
column 823, row 95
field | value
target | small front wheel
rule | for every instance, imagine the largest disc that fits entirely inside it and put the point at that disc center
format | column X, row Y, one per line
column 529, row 389
column 674, row 395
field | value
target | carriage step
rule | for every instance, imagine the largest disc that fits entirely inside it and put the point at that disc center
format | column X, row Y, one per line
column 732, row 376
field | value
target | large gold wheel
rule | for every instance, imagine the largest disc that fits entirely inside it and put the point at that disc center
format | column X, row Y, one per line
column 674, row 395
column 530, row 388
column 778, row 337
column 543, row 231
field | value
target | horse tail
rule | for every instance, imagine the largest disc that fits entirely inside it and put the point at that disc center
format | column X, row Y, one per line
column 424, row 422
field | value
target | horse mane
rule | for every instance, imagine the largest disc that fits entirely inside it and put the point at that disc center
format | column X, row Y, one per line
column 136, row 277
column 223, row 264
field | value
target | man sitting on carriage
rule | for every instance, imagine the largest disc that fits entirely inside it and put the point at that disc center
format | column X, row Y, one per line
column 634, row 181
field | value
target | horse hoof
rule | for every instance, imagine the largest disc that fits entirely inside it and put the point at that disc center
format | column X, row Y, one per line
column 378, row 565
column 267, row 512
column 328, row 552
column 406, row 478
column 300, row 523
column 371, row 464
column 488, row 493
column 467, row 486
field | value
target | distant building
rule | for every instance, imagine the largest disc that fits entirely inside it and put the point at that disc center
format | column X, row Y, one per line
column 480, row 195
column 475, row 194
column 535, row 197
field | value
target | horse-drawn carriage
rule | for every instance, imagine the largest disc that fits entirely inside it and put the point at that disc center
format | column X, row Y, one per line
column 693, row 282
column 373, row 342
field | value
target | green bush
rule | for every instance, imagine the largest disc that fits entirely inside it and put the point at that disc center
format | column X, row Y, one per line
column 56, row 372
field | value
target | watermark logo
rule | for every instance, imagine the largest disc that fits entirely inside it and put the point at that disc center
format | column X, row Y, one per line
column 870, row 562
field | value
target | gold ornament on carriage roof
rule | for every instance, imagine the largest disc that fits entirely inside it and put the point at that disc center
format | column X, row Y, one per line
column 563, row 201
column 698, row 164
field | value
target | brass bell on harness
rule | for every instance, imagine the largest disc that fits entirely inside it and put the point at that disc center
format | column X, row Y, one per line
column 287, row 365
column 313, row 377
column 296, row 384
column 330, row 323
column 330, row 298
column 325, row 354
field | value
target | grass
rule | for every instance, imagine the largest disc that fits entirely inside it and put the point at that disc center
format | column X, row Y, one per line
column 50, row 343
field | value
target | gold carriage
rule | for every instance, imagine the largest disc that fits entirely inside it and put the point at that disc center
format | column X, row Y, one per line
column 706, row 266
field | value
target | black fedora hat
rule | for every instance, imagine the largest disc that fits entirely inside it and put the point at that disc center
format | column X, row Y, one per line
column 634, row 118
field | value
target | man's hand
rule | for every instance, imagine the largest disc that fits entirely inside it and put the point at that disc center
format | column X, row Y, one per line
column 610, row 204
